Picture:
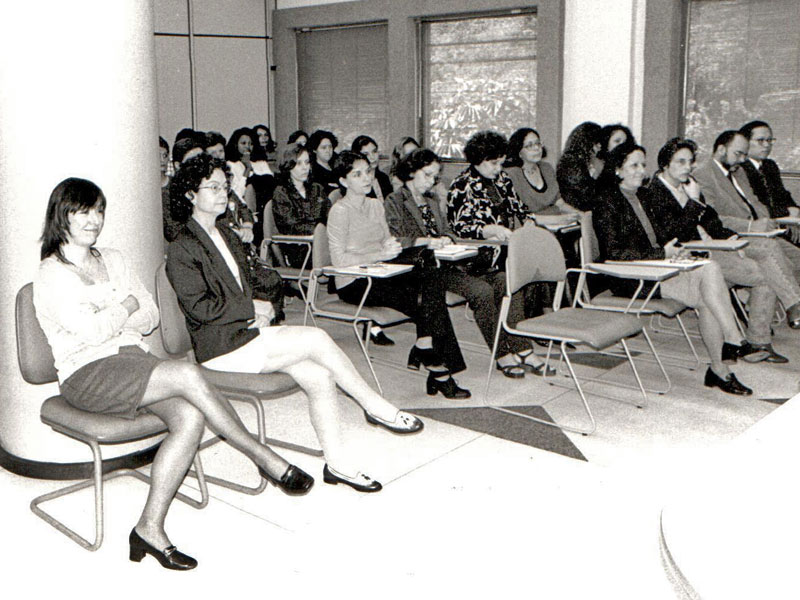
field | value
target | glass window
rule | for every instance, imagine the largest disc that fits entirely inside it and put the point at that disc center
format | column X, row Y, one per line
column 341, row 77
column 477, row 73
column 743, row 64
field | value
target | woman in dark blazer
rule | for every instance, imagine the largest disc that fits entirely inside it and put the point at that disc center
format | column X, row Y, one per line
column 625, row 232
column 415, row 218
column 231, row 331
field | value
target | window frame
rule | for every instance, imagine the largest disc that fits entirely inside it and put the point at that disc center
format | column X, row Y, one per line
column 422, row 87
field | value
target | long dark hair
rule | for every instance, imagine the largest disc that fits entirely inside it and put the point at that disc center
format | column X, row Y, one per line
column 69, row 197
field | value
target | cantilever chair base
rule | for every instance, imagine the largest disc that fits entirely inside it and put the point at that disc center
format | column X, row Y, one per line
column 94, row 430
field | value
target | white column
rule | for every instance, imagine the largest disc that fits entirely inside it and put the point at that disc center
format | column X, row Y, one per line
column 77, row 98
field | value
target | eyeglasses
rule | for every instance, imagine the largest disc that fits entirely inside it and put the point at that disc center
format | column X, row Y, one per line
column 215, row 187
column 765, row 141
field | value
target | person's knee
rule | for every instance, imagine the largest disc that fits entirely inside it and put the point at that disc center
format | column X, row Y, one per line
column 191, row 420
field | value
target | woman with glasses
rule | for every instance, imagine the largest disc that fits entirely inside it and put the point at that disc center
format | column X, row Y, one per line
column 231, row 331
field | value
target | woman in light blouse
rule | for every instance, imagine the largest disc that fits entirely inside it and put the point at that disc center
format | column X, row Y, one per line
column 358, row 234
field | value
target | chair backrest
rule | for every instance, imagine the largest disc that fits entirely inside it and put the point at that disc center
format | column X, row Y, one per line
column 270, row 230
column 534, row 254
column 320, row 252
column 174, row 334
column 36, row 363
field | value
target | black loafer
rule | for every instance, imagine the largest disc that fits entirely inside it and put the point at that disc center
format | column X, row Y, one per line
column 169, row 558
column 730, row 385
column 402, row 425
column 294, row 481
column 380, row 339
column 752, row 353
column 360, row 483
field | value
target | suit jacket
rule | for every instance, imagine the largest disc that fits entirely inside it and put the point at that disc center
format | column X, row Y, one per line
column 217, row 310
column 768, row 187
column 723, row 197
column 405, row 218
column 670, row 220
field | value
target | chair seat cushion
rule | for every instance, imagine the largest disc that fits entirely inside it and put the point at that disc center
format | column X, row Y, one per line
column 381, row 315
column 61, row 416
column 262, row 385
column 665, row 306
column 585, row 326
column 454, row 299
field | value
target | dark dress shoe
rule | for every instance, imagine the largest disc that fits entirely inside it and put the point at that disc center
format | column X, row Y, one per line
column 730, row 352
column 170, row 557
column 793, row 316
column 448, row 387
column 425, row 356
column 403, row 423
column 772, row 356
column 729, row 385
column 752, row 353
column 294, row 481
column 380, row 339
column 360, row 483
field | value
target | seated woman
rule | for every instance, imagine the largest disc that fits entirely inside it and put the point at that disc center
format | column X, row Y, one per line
column 230, row 331
column 358, row 234
column 265, row 141
column 624, row 232
column 415, row 218
column 241, row 164
column 677, row 209
column 369, row 148
column 534, row 179
column 298, row 204
column 578, row 168
column 406, row 146
column 297, row 138
column 322, row 145
column 95, row 311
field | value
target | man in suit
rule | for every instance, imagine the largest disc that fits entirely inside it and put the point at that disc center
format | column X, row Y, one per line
column 725, row 187
column 764, row 176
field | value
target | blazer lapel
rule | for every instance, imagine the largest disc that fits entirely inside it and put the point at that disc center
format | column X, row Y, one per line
column 412, row 208
column 216, row 259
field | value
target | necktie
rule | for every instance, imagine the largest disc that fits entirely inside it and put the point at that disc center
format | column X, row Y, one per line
column 742, row 196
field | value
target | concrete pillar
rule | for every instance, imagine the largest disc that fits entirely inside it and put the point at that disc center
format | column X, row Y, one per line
column 77, row 98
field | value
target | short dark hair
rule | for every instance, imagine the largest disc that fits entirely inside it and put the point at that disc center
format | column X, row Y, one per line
column 747, row 129
column 515, row 143
column 397, row 153
column 485, row 145
column 604, row 137
column 315, row 139
column 296, row 135
column 671, row 148
column 361, row 141
column 343, row 164
column 418, row 159
column 188, row 179
column 182, row 147
column 232, row 147
column 271, row 143
column 163, row 143
column 184, row 133
column 725, row 138
column 212, row 138
column 289, row 159
column 69, row 197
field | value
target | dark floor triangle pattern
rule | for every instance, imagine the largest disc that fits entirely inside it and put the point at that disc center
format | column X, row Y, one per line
column 508, row 427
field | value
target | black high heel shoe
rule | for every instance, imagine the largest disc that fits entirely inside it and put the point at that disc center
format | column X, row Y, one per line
column 448, row 387
column 294, row 481
column 425, row 356
column 170, row 557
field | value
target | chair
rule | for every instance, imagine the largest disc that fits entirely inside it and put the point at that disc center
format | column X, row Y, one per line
column 93, row 429
column 273, row 240
column 534, row 254
column 652, row 307
column 251, row 388
column 331, row 307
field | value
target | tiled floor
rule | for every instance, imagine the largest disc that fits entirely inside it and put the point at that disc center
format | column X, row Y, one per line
column 462, row 513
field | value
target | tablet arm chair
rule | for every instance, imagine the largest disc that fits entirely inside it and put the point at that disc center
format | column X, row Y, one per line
column 534, row 254
column 250, row 388
column 93, row 429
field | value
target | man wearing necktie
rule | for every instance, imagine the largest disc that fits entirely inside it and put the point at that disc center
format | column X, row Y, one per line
column 725, row 187
column 764, row 176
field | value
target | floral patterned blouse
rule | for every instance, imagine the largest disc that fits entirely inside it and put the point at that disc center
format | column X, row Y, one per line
column 472, row 203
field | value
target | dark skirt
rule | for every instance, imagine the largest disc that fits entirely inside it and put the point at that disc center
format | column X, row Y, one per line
column 114, row 385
